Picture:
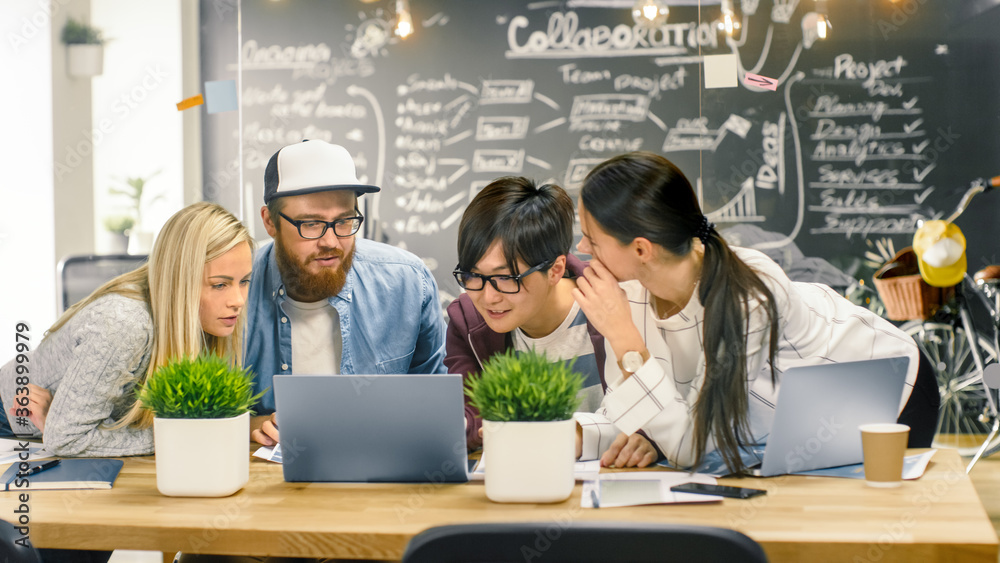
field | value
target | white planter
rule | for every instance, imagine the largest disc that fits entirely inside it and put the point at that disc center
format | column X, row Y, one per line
column 201, row 457
column 140, row 242
column 113, row 243
column 85, row 59
column 529, row 461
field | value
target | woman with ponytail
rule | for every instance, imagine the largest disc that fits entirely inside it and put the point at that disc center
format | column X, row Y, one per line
column 187, row 299
column 699, row 333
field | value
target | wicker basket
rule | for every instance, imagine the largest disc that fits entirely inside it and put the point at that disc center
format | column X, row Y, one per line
column 905, row 294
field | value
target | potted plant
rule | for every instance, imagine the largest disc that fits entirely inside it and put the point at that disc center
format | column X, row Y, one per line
column 201, row 426
column 119, row 227
column 140, row 240
column 527, row 405
column 85, row 48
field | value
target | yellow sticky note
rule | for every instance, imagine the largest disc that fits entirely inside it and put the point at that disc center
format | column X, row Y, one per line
column 720, row 71
column 190, row 102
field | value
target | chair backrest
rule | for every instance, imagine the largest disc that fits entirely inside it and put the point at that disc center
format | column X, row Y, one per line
column 20, row 552
column 79, row 276
column 581, row 542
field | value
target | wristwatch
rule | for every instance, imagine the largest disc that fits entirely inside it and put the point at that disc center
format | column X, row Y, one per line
column 631, row 361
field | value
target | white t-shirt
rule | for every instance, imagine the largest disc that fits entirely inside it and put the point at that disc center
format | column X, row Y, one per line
column 316, row 340
column 570, row 340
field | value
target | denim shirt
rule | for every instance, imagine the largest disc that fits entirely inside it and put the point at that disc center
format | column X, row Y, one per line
column 390, row 318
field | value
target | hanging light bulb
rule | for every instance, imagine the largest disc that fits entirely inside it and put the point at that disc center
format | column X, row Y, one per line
column 822, row 20
column 404, row 22
column 728, row 22
column 650, row 12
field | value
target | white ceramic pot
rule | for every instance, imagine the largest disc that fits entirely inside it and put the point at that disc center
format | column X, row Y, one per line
column 529, row 461
column 140, row 242
column 85, row 59
column 201, row 457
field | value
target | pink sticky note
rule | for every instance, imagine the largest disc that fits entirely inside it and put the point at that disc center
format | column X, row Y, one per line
column 762, row 81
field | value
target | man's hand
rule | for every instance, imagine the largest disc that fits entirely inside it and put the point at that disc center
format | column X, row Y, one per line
column 39, row 401
column 629, row 451
column 267, row 433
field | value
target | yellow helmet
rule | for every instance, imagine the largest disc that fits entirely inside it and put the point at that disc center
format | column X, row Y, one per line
column 940, row 249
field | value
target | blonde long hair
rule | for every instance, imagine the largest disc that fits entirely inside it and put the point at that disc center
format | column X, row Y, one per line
column 170, row 284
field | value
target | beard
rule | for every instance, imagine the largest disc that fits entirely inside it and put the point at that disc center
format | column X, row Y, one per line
column 304, row 286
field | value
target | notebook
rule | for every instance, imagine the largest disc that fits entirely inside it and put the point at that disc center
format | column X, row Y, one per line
column 372, row 428
column 68, row 474
column 820, row 408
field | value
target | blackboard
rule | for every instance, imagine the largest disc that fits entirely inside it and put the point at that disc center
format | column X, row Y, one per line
column 886, row 120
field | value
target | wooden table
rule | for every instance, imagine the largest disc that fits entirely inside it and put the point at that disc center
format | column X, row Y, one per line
column 936, row 518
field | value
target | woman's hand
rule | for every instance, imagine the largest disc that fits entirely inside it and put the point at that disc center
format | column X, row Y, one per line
column 39, row 401
column 629, row 451
column 606, row 306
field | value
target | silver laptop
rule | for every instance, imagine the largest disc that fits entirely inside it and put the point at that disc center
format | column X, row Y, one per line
column 372, row 428
column 820, row 408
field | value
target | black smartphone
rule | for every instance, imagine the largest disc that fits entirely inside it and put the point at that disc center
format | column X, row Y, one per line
column 720, row 490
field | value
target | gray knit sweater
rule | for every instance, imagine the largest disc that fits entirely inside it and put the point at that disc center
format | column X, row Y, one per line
column 90, row 365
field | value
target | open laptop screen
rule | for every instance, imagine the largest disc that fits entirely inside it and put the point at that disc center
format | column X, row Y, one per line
column 820, row 408
column 371, row 428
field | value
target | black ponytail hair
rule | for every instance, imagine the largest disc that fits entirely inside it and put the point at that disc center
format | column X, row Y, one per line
column 641, row 194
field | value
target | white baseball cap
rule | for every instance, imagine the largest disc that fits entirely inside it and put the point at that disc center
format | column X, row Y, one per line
column 311, row 166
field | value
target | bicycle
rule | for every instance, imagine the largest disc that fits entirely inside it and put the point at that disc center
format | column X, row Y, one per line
column 962, row 341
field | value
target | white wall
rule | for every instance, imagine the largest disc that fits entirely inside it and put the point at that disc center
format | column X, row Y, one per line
column 136, row 99
column 27, row 241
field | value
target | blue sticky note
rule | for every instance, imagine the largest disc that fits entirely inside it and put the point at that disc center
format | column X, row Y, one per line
column 220, row 95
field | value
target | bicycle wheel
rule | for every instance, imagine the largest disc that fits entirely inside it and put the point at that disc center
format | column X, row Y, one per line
column 965, row 417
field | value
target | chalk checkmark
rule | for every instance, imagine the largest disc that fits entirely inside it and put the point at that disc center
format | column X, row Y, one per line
column 917, row 149
column 911, row 103
column 913, row 126
column 919, row 176
column 919, row 198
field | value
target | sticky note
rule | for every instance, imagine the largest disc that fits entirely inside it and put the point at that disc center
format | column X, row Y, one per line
column 762, row 82
column 720, row 71
column 220, row 95
column 191, row 102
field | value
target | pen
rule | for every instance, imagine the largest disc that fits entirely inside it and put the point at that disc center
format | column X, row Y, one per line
column 593, row 498
column 42, row 467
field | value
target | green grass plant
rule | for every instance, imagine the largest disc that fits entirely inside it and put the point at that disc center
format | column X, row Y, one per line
column 78, row 32
column 525, row 386
column 204, row 387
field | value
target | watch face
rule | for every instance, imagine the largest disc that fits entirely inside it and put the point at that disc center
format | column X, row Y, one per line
column 632, row 361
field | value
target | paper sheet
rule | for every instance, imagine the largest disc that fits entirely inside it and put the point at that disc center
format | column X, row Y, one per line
column 9, row 455
column 270, row 454
column 913, row 468
column 636, row 488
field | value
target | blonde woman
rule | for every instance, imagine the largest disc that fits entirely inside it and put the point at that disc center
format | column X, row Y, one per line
column 188, row 298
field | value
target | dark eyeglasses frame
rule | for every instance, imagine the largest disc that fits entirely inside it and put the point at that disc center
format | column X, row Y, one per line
column 458, row 273
column 326, row 225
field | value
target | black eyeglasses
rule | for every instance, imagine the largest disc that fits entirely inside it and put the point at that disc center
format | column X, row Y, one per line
column 313, row 229
column 504, row 283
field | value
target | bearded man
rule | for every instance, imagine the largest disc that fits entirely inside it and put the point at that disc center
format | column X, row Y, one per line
column 322, row 301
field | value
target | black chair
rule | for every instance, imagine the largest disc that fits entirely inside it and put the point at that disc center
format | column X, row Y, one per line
column 79, row 276
column 20, row 552
column 581, row 542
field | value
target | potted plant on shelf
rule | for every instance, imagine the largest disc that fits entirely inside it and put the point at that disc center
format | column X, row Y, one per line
column 201, row 426
column 119, row 227
column 85, row 48
column 529, row 434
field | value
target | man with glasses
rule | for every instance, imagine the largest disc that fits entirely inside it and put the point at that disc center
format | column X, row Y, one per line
column 322, row 301
column 518, row 275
